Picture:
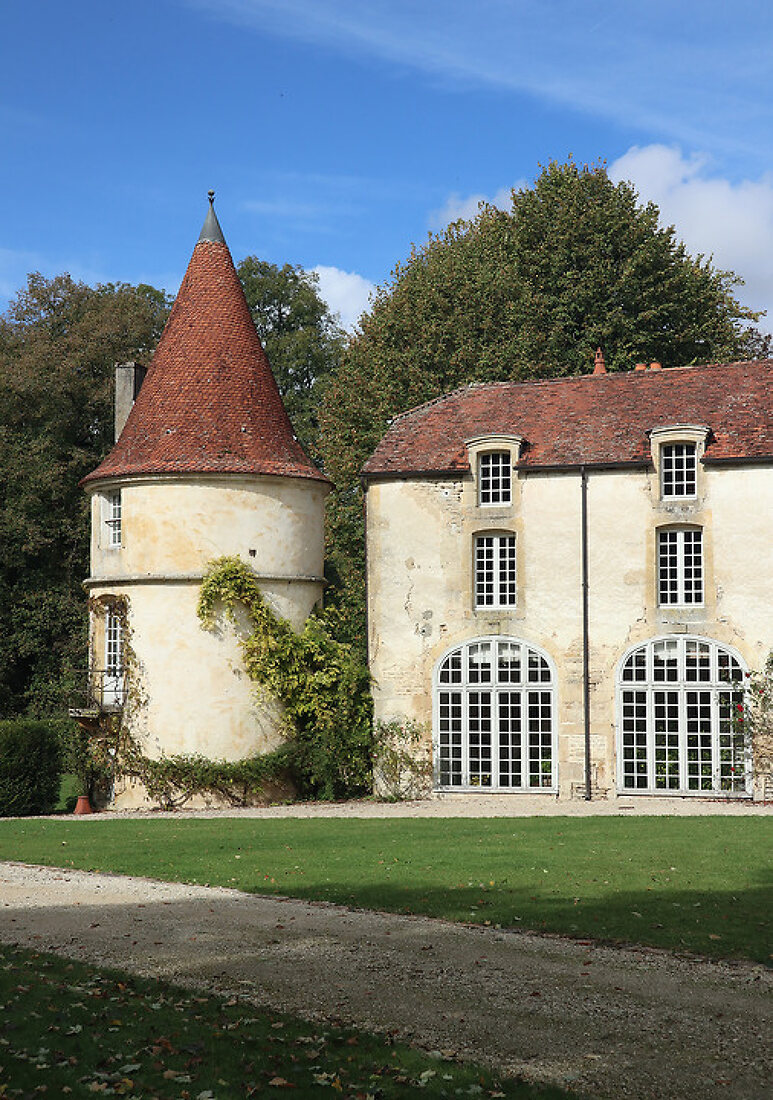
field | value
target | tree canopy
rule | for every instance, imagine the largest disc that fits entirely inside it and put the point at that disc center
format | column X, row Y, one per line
column 576, row 263
column 59, row 340
column 300, row 336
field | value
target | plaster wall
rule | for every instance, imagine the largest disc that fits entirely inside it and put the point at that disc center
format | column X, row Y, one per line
column 175, row 527
column 420, row 584
column 188, row 692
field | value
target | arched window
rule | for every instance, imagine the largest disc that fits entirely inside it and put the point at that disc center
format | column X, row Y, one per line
column 680, row 719
column 495, row 717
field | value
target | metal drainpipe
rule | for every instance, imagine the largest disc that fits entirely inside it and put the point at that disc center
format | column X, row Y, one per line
column 585, row 632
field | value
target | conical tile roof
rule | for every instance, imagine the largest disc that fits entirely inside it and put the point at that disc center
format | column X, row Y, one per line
column 209, row 403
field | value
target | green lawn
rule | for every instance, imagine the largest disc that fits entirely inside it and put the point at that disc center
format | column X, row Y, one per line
column 67, row 1028
column 700, row 884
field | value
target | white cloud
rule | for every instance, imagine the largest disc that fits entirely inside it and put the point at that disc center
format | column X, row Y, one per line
column 458, row 206
column 691, row 71
column 731, row 221
column 345, row 292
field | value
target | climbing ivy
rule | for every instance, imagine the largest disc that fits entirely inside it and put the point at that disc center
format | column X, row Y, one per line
column 323, row 687
column 172, row 780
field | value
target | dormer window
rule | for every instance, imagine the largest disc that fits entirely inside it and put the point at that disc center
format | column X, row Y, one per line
column 678, row 470
column 494, row 477
column 676, row 451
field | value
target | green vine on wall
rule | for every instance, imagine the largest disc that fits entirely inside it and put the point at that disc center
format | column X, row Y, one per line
column 172, row 780
column 323, row 687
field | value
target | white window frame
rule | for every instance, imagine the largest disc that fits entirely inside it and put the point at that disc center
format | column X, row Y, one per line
column 677, row 696
column 679, row 470
column 495, row 580
column 495, row 725
column 495, row 478
column 112, row 519
column 113, row 674
column 680, row 566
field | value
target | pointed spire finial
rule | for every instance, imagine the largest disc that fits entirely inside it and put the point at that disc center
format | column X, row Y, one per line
column 211, row 230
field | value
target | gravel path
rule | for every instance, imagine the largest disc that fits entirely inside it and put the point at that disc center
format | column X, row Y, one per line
column 611, row 1022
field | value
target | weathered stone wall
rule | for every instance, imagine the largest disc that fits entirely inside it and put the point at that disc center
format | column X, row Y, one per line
column 420, row 584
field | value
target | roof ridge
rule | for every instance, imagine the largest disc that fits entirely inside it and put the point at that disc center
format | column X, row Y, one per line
column 566, row 378
column 578, row 423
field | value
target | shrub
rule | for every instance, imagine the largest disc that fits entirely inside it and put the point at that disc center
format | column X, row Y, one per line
column 30, row 767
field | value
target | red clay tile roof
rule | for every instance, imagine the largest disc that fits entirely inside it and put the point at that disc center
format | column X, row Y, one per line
column 593, row 419
column 209, row 402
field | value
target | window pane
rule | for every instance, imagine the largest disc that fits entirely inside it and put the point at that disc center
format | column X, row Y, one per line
column 697, row 661
column 665, row 660
column 479, row 726
column 678, row 465
column 506, row 570
column 450, row 738
column 680, row 565
column 484, row 570
column 479, row 663
column 112, row 514
column 508, row 663
column 494, row 478
column 494, row 731
column 510, row 750
column 665, row 713
column 693, row 565
column 682, row 727
column 451, row 669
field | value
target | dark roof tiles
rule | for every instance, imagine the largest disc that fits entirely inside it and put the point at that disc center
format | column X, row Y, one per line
column 593, row 419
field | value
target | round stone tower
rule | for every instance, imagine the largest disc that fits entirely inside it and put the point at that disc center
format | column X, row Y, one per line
column 206, row 465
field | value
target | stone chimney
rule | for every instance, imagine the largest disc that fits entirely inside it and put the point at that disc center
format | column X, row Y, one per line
column 128, row 379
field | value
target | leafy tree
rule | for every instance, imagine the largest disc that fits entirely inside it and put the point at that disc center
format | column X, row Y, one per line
column 300, row 335
column 59, row 340
column 575, row 264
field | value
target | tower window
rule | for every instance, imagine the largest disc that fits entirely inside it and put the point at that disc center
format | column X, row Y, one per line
column 112, row 519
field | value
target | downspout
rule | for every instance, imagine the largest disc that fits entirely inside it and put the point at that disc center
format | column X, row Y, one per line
column 364, row 486
column 585, row 631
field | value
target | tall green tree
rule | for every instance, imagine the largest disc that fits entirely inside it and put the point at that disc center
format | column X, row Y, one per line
column 576, row 263
column 59, row 341
column 300, row 335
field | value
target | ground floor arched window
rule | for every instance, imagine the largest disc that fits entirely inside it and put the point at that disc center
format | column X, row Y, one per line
column 495, row 717
column 680, row 719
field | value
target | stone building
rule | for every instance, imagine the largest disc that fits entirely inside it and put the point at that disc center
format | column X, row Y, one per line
column 568, row 579
column 206, row 465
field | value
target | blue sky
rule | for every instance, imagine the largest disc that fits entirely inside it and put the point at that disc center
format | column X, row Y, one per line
column 337, row 132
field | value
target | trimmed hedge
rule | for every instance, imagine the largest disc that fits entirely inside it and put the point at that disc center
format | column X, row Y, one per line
column 30, row 767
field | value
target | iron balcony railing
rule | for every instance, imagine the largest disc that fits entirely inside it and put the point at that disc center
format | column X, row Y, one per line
column 104, row 690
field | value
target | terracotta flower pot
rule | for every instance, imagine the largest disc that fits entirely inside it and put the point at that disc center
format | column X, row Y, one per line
column 83, row 806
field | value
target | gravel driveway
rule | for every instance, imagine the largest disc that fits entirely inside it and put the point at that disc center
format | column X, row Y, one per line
column 611, row 1022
